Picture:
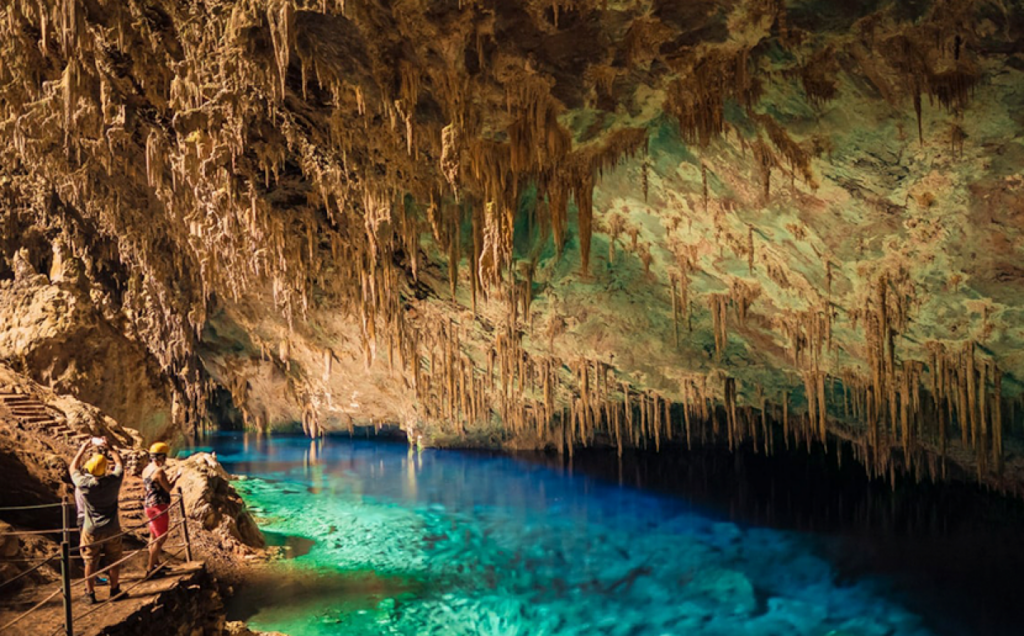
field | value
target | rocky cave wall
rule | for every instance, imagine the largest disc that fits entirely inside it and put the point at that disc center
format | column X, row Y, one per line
column 528, row 223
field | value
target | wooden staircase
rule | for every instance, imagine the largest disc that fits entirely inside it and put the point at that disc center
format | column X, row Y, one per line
column 30, row 414
column 132, row 499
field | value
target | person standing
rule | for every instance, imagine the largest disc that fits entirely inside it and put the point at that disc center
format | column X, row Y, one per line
column 80, row 522
column 101, row 529
column 158, row 500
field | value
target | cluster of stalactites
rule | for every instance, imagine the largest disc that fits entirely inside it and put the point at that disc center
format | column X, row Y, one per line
column 936, row 56
column 965, row 391
column 207, row 178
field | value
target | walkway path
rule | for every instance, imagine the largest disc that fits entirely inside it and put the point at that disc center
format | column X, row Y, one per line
column 48, row 620
column 27, row 413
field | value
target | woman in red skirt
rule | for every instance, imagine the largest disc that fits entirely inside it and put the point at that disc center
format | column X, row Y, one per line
column 158, row 500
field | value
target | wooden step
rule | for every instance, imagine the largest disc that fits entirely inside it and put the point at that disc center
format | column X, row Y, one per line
column 34, row 419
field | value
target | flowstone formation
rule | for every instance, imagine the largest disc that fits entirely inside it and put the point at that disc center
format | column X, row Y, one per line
column 541, row 223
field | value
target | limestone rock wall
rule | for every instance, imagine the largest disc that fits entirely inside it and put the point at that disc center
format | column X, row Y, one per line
column 56, row 332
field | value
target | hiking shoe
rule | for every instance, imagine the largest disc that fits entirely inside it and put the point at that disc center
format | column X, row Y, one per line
column 102, row 580
column 117, row 595
column 157, row 572
column 90, row 598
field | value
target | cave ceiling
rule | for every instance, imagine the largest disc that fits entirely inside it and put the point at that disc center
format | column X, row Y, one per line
column 541, row 223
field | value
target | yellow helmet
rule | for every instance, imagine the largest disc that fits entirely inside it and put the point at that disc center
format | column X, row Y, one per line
column 159, row 449
column 97, row 465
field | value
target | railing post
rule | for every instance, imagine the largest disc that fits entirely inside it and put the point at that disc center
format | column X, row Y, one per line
column 65, row 580
column 184, row 525
column 65, row 564
column 65, row 518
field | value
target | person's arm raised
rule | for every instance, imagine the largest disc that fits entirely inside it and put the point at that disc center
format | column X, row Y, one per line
column 118, row 464
column 76, row 463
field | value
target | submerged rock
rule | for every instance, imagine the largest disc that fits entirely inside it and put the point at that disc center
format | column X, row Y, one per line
column 728, row 590
column 239, row 628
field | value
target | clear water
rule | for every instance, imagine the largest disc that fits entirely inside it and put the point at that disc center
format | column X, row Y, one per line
column 392, row 541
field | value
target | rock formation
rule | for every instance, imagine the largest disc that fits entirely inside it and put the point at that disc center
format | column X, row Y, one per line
column 526, row 223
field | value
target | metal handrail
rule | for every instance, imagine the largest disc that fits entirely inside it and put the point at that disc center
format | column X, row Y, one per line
column 145, row 578
column 9, row 508
column 20, row 533
column 65, row 557
column 31, row 560
column 133, row 554
column 124, row 532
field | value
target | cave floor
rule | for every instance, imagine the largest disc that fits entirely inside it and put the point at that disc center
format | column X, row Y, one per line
column 105, row 617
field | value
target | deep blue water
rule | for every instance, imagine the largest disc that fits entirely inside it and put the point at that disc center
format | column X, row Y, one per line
column 389, row 540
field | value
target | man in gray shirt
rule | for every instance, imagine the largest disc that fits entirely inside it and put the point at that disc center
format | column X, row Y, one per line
column 101, row 529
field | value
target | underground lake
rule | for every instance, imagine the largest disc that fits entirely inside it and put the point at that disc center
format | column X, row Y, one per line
column 383, row 538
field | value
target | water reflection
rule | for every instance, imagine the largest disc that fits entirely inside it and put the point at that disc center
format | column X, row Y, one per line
column 552, row 531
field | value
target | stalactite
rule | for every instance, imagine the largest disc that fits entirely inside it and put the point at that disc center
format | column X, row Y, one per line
column 982, row 450
column 656, row 418
column 905, row 415
column 730, row 411
column 281, row 18
column 785, row 418
column 704, row 184
column 765, row 162
column 822, row 408
column 972, row 394
column 718, row 304
column 628, row 410
column 750, row 249
column 450, row 159
column 668, row 419
column 997, row 420
column 675, row 311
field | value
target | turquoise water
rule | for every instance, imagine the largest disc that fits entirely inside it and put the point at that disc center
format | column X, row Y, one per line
column 393, row 541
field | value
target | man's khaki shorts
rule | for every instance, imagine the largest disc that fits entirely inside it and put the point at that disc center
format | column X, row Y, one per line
column 113, row 548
